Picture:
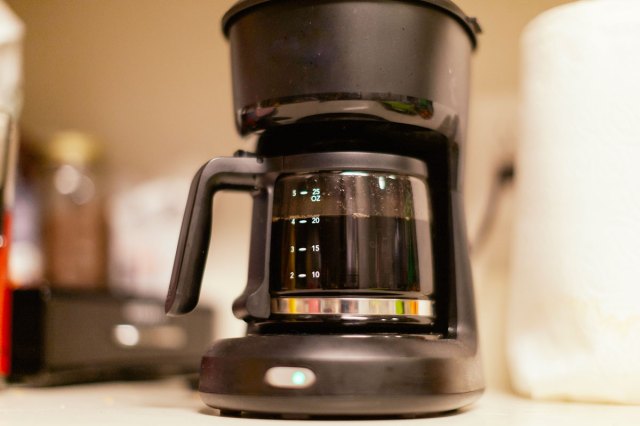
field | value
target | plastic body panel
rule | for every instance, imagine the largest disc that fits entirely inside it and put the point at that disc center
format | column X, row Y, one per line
column 355, row 376
column 296, row 49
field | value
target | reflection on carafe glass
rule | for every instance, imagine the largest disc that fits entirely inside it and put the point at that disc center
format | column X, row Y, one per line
column 351, row 232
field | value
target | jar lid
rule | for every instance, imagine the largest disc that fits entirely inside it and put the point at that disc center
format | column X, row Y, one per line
column 470, row 24
column 73, row 147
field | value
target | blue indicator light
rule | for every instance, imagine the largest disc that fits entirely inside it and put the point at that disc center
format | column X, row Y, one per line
column 298, row 378
column 289, row 377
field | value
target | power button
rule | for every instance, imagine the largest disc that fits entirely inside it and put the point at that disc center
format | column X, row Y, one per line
column 290, row 377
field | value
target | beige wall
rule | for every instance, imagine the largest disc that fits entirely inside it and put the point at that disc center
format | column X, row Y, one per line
column 151, row 78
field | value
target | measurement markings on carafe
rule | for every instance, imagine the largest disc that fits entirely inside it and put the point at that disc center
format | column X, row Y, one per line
column 351, row 232
column 304, row 248
column 315, row 194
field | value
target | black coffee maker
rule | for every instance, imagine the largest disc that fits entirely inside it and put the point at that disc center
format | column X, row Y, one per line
column 359, row 298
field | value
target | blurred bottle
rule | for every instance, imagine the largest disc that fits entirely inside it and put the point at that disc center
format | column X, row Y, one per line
column 75, row 234
column 8, row 145
column 26, row 260
column 11, row 36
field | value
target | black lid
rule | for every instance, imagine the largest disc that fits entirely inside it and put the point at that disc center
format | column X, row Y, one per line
column 470, row 24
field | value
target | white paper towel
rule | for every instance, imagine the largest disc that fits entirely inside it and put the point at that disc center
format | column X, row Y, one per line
column 574, row 320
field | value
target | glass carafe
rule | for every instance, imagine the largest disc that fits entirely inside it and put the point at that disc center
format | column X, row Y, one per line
column 351, row 244
column 336, row 236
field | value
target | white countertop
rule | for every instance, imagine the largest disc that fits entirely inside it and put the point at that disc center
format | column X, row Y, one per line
column 170, row 402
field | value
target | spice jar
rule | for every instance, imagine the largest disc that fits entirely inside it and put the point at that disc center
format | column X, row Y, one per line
column 74, row 225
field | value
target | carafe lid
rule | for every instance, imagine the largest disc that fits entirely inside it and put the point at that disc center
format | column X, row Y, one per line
column 470, row 24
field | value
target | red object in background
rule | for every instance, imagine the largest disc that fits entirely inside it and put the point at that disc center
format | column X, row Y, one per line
column 5, row 298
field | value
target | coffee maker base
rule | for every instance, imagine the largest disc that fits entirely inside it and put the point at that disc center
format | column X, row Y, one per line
column 340, row 375
column 338, row 406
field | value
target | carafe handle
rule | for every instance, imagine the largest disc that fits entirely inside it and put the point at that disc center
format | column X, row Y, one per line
column 230, row 173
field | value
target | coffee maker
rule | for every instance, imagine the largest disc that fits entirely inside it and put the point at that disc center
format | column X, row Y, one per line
column 359, row 298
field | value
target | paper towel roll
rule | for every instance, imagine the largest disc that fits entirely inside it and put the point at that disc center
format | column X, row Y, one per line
column 574, row 320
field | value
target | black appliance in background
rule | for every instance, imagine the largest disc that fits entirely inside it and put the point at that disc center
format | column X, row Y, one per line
column 64, row 337
column 359, row 298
